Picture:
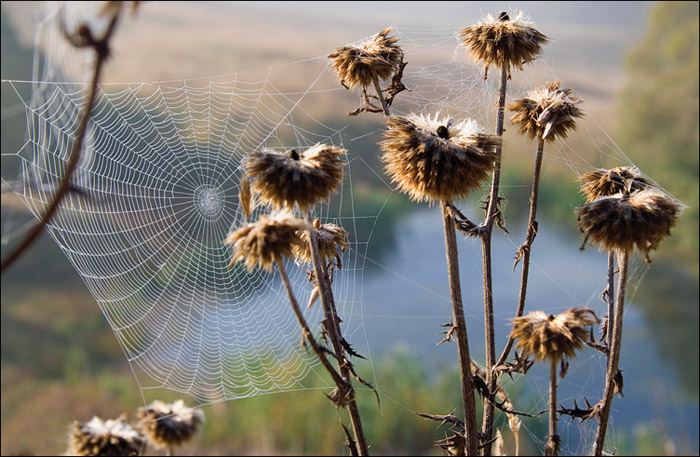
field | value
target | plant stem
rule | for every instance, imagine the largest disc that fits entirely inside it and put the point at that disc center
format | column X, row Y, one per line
column 487, row 428
column 611, row 300
column 460, row 325
column 378, row 89
column 614, row 356
column 332, row 327
column 553, row 441
column 525, row 248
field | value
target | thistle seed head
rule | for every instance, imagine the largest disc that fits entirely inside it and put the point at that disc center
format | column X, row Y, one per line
column 265, row 241
column 506, row 41
column 604, row 183
column 293, row 178
column 378, row 57
column 554, row 338
column 104, row 437
column 622, row 221
column 547, row 113
column 330, row 238
column 432, row 159
column 167, row 424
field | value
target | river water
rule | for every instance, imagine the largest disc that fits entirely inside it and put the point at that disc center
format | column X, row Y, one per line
column 405, row 299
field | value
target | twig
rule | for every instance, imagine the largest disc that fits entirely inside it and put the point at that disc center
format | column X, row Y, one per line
column 101, row 48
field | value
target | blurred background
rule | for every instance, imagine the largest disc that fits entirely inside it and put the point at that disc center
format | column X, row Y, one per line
column 636, row 66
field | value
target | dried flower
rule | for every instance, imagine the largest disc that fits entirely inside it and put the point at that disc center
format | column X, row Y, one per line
column 546, row 113
column 379, row 57
column 545, row 336
column 623, row 220
column 168, row 425
column 104, row 437
column 304, row 179
column 604, row 183
column 330, row 238
column 503, row 42
column 433, row 159
column 265, row 241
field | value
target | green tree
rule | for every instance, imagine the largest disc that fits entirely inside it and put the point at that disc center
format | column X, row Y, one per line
column 659, row 115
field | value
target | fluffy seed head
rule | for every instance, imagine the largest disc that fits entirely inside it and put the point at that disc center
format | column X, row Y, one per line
column 379, row 57
column 547, row 113
column 545, row 336
column 167, row 424
column 604, row 183
column 330, row 238
column 306, row 178
column 104, row 437
column 506, row 41
column 622, row 221
column 265, row 241
column 433, row 159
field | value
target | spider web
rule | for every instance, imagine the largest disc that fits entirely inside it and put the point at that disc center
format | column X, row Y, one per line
column 156, row 193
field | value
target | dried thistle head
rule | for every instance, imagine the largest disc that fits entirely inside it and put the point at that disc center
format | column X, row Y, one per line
column 604, row 183
column 104, row 437
column 554, row 338
column 330, row 238
column 433, row 159
column 379, row 57
column 623, row 220
column 265, row 241
column 546, row 113
column 285, row 179
column 167, row 424
column 506, row 41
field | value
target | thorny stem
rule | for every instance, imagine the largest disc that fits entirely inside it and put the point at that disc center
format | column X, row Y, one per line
column 332, row 327
column 611, row 299
column 460, row 325
column 65, row 186
column 378, row 89
column 308, row 336
column 553, row 441
column 487, row 429
column 614, row 357
column 525, row 248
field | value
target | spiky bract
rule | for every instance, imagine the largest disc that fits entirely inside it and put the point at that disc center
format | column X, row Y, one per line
column 304, row 179
column 604, row 183
column 266, row 240
column 623, row 221
column 506, row 41
column 379, row 57
column 554, row 338
column 432, row 159
column 104, row 437
column 330, row 238
column 167, row 424
column 547, row 113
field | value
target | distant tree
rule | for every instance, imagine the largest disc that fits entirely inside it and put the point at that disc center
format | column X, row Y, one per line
column 659, row 114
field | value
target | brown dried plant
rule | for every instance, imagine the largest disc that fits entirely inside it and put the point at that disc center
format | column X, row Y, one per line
column 434, row 159
column 104, row 437
column 331, row 237
column 555, row 339
column 167, row 425
column 606, row 182
column 506, row 41
column 378, row 59
column 292, row 178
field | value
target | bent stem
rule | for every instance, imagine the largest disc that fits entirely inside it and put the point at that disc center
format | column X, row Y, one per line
column 332, row 327
column 460, row 325
column 525, row 248
column 614, row 357
column 308, row 336
column 487, row 427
